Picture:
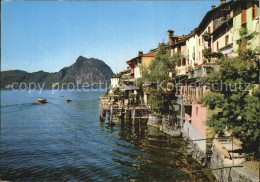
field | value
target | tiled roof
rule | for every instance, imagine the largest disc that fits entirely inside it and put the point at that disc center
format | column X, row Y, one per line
column 149, row 54
column 126, row 70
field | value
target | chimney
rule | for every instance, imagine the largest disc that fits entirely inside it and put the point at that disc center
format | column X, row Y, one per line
column 170, row 34
column 140, row 53
column 222, row 2
column 213, row 7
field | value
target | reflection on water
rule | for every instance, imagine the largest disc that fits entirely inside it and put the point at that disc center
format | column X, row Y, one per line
column 66, row 141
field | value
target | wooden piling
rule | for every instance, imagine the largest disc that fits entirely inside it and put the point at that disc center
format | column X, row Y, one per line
column 101, row 114
column 133, row 117
column 111, row 115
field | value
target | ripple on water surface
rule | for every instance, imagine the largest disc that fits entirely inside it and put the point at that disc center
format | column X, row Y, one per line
column 66, row 141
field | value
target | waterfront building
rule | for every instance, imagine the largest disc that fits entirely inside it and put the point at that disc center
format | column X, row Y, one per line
column 214, row 27
column 177, row 45
column 245, row 15
column 142, row 60
column 210, row 22
column 191, row 49
column 114, row 81
column 223, row 38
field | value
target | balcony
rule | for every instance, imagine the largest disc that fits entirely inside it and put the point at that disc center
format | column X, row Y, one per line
column 184, row 100
column 127, row 78
column 201, row 71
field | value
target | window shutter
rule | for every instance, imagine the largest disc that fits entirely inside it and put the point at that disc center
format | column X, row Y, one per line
column 243, row 16
column 253, row 11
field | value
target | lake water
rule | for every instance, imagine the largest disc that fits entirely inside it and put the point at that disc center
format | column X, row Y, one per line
column 66, row 141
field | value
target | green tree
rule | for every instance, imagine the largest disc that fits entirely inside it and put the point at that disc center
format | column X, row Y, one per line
column 156, row 78
column 234, row 89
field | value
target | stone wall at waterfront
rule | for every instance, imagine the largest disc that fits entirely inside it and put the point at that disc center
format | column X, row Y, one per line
column 226, row 169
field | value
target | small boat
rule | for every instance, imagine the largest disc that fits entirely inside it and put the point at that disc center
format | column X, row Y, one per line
column 68, row 100
column 41, row 101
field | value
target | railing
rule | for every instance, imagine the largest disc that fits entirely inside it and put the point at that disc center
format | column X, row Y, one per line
column 200, row 71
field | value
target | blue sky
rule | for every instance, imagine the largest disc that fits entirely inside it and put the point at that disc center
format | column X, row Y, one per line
column 52, row 34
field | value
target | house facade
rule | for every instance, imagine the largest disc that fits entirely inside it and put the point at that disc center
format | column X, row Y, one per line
column 177, row 45
column 245, row 15
column 191, row 49
column 114, row 81
column 214, row 27
column 223, row 39
column 142, row 60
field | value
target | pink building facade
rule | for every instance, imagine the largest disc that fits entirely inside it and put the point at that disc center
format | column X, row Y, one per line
column 194, row 115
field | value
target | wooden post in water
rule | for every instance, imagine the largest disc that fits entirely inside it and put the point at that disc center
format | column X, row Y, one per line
column 125, row 116
column 104, row 114
column 101, row 114
column 133, row 116
column 111, row 114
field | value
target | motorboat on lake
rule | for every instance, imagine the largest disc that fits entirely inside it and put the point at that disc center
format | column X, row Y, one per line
column 41, row 101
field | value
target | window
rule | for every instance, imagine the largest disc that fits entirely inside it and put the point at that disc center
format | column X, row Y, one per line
column 193, row 54
column 226, row 40
column 179, row 49
column 253, row 11
column 197, row 111
column 179, row 62
column 183, row 61
column 217, row 46
column 208, row 29
column 243, row 14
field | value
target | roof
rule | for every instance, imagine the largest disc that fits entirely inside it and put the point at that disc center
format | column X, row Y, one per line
column 212, row 15
column 116, row 76
column 193, row 32
column 181, row 40
column 126, row 70
column 149, row 54
column 237, row 2
column 129, row 61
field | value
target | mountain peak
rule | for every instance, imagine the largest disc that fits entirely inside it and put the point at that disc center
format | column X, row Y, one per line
column 90, row 70
column 81, row 58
